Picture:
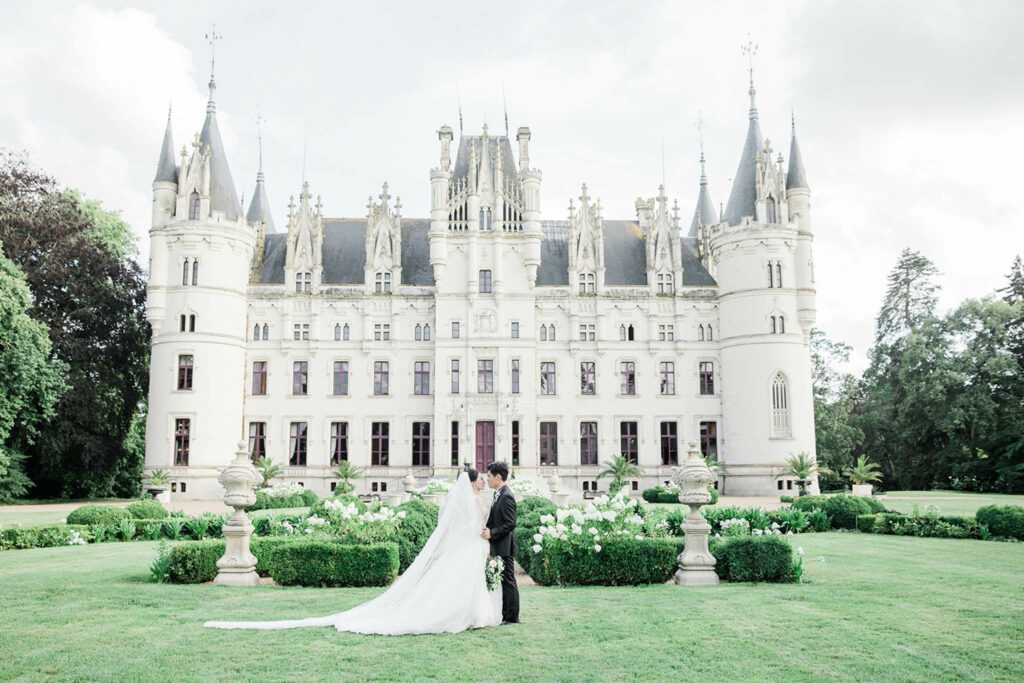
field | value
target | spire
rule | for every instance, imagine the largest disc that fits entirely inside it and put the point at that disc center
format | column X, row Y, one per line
column 743, row 195
column 704, row 213
column 223, row 196
column 166, row 169
column 212, row 37
column 796, row 176
column 259, row 207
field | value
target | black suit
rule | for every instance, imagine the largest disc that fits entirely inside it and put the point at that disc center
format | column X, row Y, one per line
column 501, row 521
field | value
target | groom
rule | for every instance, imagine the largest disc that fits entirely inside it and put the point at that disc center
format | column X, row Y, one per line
column 501, row 525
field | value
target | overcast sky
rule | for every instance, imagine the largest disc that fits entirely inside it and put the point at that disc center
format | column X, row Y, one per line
column 909, row 114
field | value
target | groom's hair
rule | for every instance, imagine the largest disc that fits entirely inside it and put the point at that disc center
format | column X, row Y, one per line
column 499, row 469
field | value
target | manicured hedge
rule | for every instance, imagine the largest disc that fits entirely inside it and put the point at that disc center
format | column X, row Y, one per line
column 660, row 494
column 420, row 521
column 323, row 563
column 48, row 536
column 866, row 523
column 147, row 508
column 98, row 514
column 928, row 526
column 300, row 500
column 196, row 561
column 621, row 562
column 842, row 510
column 755, row 558
column 1006, row 521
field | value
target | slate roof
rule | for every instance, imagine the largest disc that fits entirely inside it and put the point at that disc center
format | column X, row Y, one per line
column 704, row 213
column 796, row 176
column 493, row 142
column 743, row 197
column 344, row 254
column 223, row 196
column 259, row 207
column 166, row 168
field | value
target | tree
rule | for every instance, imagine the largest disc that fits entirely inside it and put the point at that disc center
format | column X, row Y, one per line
column 910, row 298
column 1013, row 292
column 346, row 473
column 836, row 395
column 802, row 467
column 619, row 469
column 31, row 380
column 268, row 470
column 864, row 471
column 92, row 301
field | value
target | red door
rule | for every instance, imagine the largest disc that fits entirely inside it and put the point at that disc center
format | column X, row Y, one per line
column 484, row 445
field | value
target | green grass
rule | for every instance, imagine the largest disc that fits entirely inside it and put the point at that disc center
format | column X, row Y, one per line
column 876, row 608
column 948, row 502
column 16, row 515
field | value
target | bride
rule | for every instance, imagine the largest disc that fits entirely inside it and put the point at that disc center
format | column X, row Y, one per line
column 444, row 590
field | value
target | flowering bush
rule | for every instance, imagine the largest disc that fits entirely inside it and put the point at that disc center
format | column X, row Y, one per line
column 284, row 496
column 434, row 487
column 524, row 488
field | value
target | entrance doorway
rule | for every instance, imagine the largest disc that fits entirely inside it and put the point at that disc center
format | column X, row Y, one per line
column 484, row 444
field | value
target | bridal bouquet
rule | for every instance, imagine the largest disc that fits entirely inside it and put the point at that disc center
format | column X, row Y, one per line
column 495, row 567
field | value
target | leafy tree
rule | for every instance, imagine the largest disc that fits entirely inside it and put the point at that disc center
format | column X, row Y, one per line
column 836, row 395
column 108, row 228
column 31, row 380
column 91, row 299
column 618, row 469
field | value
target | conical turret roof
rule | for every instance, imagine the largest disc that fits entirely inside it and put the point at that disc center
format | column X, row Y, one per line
column 796, row 176
column 704, row 213
column 223, row 196
column 743, row 196
column 166, row 168
column 259, row 207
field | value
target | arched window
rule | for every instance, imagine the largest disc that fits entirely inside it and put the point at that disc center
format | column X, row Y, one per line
column 711, row 333
column 337, row 332
column 266, row 332
column 782, row 325
column 345, row 332
column 543, row 332
column 622, row 332
column 551, row 332
column 256, row 332
column 193, row 206
column 772, row 210
column 700, row 333
column 184, row 273
column 195, row 272
column 780, row 406
column 630, row 334
column 182, row 324
column 426, row 332
column 773, row 327
column 192, row 323
column 771, row 275
column 418, row 336
column 778, row 274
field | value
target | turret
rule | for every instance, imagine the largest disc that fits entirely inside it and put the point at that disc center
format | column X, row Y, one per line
column 798, row 194
column 440, row 204
column 704, row 214
column 530, row 179
column 586, row 246
column 259, row 216
column 165, row 182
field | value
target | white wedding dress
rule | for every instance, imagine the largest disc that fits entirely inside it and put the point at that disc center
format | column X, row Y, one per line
column 444, row 590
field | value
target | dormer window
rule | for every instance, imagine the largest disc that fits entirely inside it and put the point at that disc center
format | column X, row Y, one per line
column 771, row 210
column 665, row 286
column 303, row 283
column 588, row 284
column 382, row 283
column 193, row 206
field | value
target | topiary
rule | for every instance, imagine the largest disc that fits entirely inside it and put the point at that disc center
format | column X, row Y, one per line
column 621, row 561
column 325, row 563
column 1002, row 520
column 866, row 523
column 98, row 514
column 147, row 508
column 755, row 558
column 843, row 510
column 531, row 504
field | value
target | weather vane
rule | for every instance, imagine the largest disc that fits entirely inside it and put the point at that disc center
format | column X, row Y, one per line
column 259, row 136
column 750, row 50
column 212, row 37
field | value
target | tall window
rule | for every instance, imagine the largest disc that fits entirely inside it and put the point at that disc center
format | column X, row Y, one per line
column 297, row 441
column 257, row 441
column 182, row 438
column 706, row 371
column 420, row 444
column 667, row 373
column 303, row 282
column 622, row 333
column 341, row 378
column 711, row 333
column 778, row 274
column 709, row 440
column 192, row 322
column 543, row 332
column 181, row 327
column 588, row 332
column 379, row 444
column 627, row 369
column 587, row 283
column 300, row 378
column 455, row 378
column 485, row 376
column 782, row 324
column 630, row 333
column 185, row 373
column 548, row 443
column 669, row 444
column 485, row 282
column 193, row 206
column 259, row 378
column 588, row 378
column 515, row 375
column 266, row 332
column 455, row 443
column 771, row 210
column 551, row 332
column 421, row 378
column 515, row 443
column 780, row 406
column 426, row 332
column 700, row 333
column 547, row 378
column 665, row 283
column 337, row 331
column 773, row 326
column 184, row 273
column 345, row 332
column 418, row 334
column 195, row 272
column 515, row 329
column 588, row 443
column 455, row 329
column 380, row 378
column 339, row 442
column 771, row 274
column 628, row 444
column 382, row 283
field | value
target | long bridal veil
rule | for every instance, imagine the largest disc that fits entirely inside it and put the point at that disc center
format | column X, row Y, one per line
column 443, row 590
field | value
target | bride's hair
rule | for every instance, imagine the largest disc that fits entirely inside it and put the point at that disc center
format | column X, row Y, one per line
column 473, row 474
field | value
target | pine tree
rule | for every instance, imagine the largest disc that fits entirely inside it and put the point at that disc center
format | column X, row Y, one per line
column 1014, row 289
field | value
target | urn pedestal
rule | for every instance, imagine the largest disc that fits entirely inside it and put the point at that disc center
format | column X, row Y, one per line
column 238, row 565
column 696, row 563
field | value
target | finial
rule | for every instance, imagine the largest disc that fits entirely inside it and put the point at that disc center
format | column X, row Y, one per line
column 504, row 104
column 792, row 121
column 700, row 141
column 663, row 161
column 485, row 129
column 661, row 193
column 458, row 97
column 319, row 204
column 291, row 204
column 384, row 196
column 583, row 190
column 572, row 208
column 398, row 204
column 212, row 37
column 750, row 50
column 259, row 145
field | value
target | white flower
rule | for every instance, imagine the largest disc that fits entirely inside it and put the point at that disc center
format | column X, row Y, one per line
column 538, row 538
column 401, row 514
column 576, row 529
column 536, row 548
column 597, row 548
column 756, row 532
column 547, row 519
column 635, row 519
column 800, row 551
column 639, row 537
column 593, row 531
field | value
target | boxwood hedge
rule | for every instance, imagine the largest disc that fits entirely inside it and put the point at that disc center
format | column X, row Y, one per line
column 621, row 562
column 324, row 563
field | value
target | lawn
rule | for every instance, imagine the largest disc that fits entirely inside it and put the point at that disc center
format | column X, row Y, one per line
column 948, row 502
column 20, row 515
column 876, row 608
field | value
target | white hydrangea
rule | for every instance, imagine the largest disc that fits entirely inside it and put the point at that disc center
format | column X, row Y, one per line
column 597, row 548
column 536, row 548
column 538, row 538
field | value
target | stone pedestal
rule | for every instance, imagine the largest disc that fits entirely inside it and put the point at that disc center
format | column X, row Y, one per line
column 696, row 563
column 409, row 484
column 863, row 490
column 238, row 565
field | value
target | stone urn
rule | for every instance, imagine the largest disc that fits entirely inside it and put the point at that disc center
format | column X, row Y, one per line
column 863, row 490
column 409, row 484
column 696, row 563
column 558, row 497
column 238, row 565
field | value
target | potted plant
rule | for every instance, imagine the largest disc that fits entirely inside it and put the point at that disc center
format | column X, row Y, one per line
column 346, row 473
column 803, row 468
column 158, row 486
column 619, row 469
column 862, row 475
column 268, row 470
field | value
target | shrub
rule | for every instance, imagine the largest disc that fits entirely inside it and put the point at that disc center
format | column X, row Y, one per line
column 621, row 562
column 419, row 522
column 810, row 503
column 528, row 514
column 125, row 529
column 819, row 521
column 324, row 563
column 98, row 514
column 756, row 558
column 49, row 536
column 534, row 504
column 661, row 494
column 149, row 529
column 320, row 508
column 172, row 527
column 1002, row 520
column 875, row 504
column 789, row 519
column 842, row 510
column 866, row 523
column 147, row 509
column 932, row 526
column 194, row 562
column 785, row 499
column 309, row 498
column 284, row 496
column 159, row 569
